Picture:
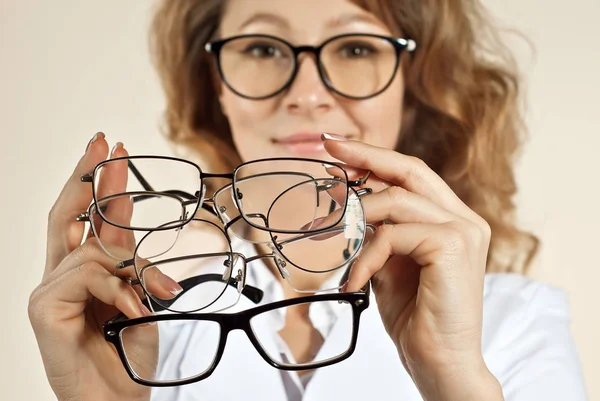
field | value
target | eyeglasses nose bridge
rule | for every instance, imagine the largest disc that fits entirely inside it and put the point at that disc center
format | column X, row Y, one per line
column 315, row 51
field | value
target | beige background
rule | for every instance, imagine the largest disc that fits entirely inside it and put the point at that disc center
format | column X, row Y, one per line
column 69, row 68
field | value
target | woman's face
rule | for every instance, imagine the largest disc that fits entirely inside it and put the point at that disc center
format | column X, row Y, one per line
column 290, row 123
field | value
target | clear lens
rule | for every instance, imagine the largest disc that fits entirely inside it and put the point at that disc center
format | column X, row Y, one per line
column 149, row 347
column 236, row 225
column 120, row 243
column 323, row 251
column 289, row 195
column 123, row 198
column 256, row 66
column 320, row 316
column 196, row 256
column 358, row 65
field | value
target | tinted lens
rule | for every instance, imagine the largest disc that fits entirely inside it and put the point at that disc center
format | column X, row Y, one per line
column 149, row 347
column 198, row 258
column 171, row 198
column 319, row 320
column 256, row 66
column 358, row 65
column 289, row 195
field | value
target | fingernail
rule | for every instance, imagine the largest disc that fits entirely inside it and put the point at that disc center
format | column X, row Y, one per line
column 117, row 146
column 145, row 311
column 169, row 284
column 332, row 137
column 94, row 139
column 344, row 287
column 313, row 225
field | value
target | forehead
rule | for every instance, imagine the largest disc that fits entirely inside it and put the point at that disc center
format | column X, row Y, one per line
column 305, row 21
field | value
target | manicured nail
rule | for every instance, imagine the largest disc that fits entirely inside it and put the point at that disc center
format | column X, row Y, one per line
column 332, row 137
column 145, row 311
column 169, row 284
column 117, row 146
column 313, row 225
column 94, row 139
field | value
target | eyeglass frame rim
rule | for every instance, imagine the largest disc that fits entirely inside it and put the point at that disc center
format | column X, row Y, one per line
column 400, row 44
column 246, row 260
column 359, row 301
column 90, row 177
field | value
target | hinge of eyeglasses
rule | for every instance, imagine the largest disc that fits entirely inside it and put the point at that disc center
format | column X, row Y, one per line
column 327, row 186
column 282, row 270
column 278, row 257
column 85, row 216
column 228, row 269
column 364, row 191
column 240, row 281
column 87, row 178
column 361, row 181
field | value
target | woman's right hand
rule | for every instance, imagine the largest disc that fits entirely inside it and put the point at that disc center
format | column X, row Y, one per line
column 78, row 293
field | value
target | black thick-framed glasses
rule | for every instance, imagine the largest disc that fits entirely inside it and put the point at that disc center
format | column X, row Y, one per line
column 355, row 66
column 261, row 194
column 138, row 342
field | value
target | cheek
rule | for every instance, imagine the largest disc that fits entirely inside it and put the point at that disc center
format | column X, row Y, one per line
column 243, row 114
column 379, row 118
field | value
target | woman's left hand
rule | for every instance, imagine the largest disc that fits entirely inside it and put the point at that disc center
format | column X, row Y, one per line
column 427, row 264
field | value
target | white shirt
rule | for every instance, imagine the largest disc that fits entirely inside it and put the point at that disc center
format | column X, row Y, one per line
column 526, row 344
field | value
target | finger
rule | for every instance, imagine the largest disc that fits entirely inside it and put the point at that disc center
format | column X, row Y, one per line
column 91, row 252
column 64, row 233
column 426, row 244
column 397, row 205
column 69, row 294
column 119, row 210
column 112, row 177
column 408, row 172
column 159, row 284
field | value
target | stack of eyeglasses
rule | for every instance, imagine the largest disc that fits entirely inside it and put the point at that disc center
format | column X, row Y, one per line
column 282, row 205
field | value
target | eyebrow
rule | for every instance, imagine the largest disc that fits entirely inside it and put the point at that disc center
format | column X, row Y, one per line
column 264, row 17
column 344, row 19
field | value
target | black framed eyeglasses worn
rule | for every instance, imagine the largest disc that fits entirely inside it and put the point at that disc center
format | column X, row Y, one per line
column 355, row 66
column 187, row 256
column 138, row 341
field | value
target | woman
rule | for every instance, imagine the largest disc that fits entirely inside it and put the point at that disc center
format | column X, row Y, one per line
column 438, row 136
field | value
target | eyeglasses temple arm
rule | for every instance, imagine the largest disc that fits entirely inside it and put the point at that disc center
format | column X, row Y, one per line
column 145, row 184
column 252, row 293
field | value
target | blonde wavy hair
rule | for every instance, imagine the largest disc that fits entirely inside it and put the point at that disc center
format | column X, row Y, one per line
column 461, row 109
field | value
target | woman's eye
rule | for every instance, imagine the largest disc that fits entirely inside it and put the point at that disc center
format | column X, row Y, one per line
column 356, row 51
column 263, row 51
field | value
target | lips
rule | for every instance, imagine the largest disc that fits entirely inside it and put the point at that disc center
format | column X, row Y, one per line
column 301, row 137
column 302, row 143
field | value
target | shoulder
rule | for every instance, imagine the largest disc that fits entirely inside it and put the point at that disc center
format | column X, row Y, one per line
column 518, row 293
column 518, row 311
column 527, row 341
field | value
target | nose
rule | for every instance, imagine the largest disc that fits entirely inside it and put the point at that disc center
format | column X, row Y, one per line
column 308, row 94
